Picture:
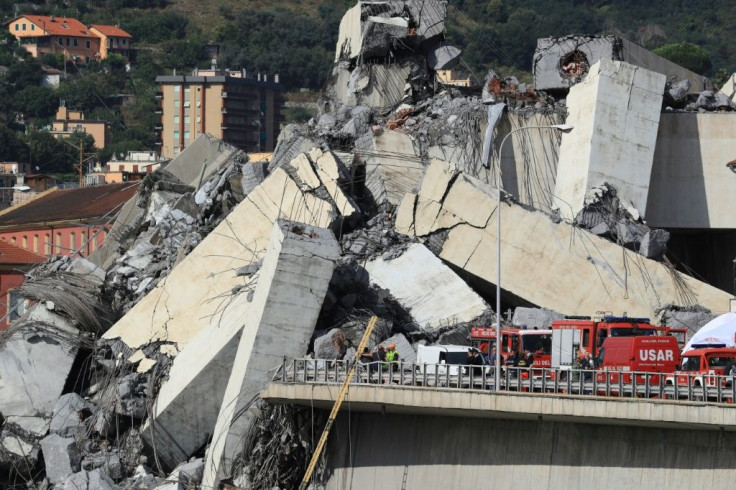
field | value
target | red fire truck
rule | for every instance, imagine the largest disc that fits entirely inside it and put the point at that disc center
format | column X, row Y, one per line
column 704, row 365
column 622, row 356
column 594, row 331
column 538, row 343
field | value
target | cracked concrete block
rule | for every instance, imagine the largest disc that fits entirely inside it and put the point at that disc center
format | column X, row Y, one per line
column 88, row 480
column 61, row 456
column 535, row 317
column 306, row 178
column 175, row 311
column 615, row 113
column 537, row 251
column 405, row 214
column 444, row 57
column 293, row 281
column 34, row 366
column 561, row 62
column 35, row 426
column 70, row 412
column 331, row 345
column 429, row 15
column 392, row 166
column 108, row 463
column 432, row 293
column 350, row 34
column 331, row 173
column 205, row 151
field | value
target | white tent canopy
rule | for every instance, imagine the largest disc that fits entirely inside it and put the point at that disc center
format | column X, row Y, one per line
column 720, row 330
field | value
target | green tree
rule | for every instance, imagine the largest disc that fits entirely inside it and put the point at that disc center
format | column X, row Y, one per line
column 36, row 102
column 687, row 55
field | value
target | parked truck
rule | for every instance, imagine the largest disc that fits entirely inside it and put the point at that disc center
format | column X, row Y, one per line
column 643, row 359
column 704, row 366
column 536, row 342
column 594, row 331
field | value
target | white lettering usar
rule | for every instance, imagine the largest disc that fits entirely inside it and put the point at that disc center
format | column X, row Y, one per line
column 656, row 355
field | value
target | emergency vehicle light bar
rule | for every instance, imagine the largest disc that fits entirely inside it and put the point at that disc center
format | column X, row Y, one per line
column 618, row 319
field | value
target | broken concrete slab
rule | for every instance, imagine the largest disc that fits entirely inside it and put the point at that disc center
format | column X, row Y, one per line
column 432, row 293
column 535, row 317
column 603, row 275
column 70, row 412
column 561, row 62
column 61, row 456
column 288, row 297
column 331, row 345
column 175, row 311
column 88, row 480
column 202, row 159
column 392, row 166
column 615, row 114
column 444, row 57
column 654, row 244
column 35, row 364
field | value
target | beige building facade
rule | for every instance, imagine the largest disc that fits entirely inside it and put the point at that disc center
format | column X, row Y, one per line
column 68, row 122
column 242, row 111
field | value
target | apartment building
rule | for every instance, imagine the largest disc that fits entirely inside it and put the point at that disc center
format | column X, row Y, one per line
column 68, row 122
column 242, row 111
column 42, row 34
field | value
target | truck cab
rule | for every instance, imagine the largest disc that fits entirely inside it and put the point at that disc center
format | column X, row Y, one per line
column 703, row 365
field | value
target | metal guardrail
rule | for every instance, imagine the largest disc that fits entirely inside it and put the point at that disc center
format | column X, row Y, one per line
column 595, row 383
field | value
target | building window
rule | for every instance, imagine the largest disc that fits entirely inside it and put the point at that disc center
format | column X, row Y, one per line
column 76, row 41
column 88, row 44
column 176, row 102
column 186, row 135
column 199, row 119
column 17, row 27
column 33, row 27
column 61, row 41
column 16, row 306
column 25, row 242
column 47, row 246
column 58, row 244
column 186, row 119
column 124, row 41
column 82, row 239
column 176, row 135
column 68, row 41
column 72, row 245
column 177, row 88
column 13, row 241
column 176, row 119
column 35, row 243
column 24, row 27
column 176, row 150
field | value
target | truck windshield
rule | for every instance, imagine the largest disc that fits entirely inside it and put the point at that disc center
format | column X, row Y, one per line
column 537, row 344
column 720, row 361
column 631, row 332
column 691, row 363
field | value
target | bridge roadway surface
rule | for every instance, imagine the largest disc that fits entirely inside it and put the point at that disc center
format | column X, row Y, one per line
column 403, row 437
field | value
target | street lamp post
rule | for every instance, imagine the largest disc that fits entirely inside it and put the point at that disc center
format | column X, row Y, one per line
column 565, row 128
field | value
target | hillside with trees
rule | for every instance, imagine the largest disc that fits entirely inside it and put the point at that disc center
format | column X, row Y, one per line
column 296, row 38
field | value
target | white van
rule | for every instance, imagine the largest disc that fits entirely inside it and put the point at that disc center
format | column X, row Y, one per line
column 441, row 356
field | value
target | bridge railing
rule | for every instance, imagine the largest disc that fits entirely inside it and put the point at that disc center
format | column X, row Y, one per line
column 675, row 386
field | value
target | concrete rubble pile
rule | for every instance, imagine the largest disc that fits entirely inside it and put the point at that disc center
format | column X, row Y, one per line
column 141, row 365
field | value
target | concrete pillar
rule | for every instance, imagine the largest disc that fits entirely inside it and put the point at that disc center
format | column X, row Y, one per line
column 615, row 111
column 286, row 302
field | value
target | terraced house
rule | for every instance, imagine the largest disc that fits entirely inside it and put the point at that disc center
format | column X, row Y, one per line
column 41, row 34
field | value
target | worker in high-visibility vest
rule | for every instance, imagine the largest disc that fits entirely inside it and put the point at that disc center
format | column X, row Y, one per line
column 391, row 355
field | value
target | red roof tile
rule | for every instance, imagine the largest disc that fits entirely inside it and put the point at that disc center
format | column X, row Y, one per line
column 71, row 204
column 60, row 26
column 113, row 31
column 11, row 254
